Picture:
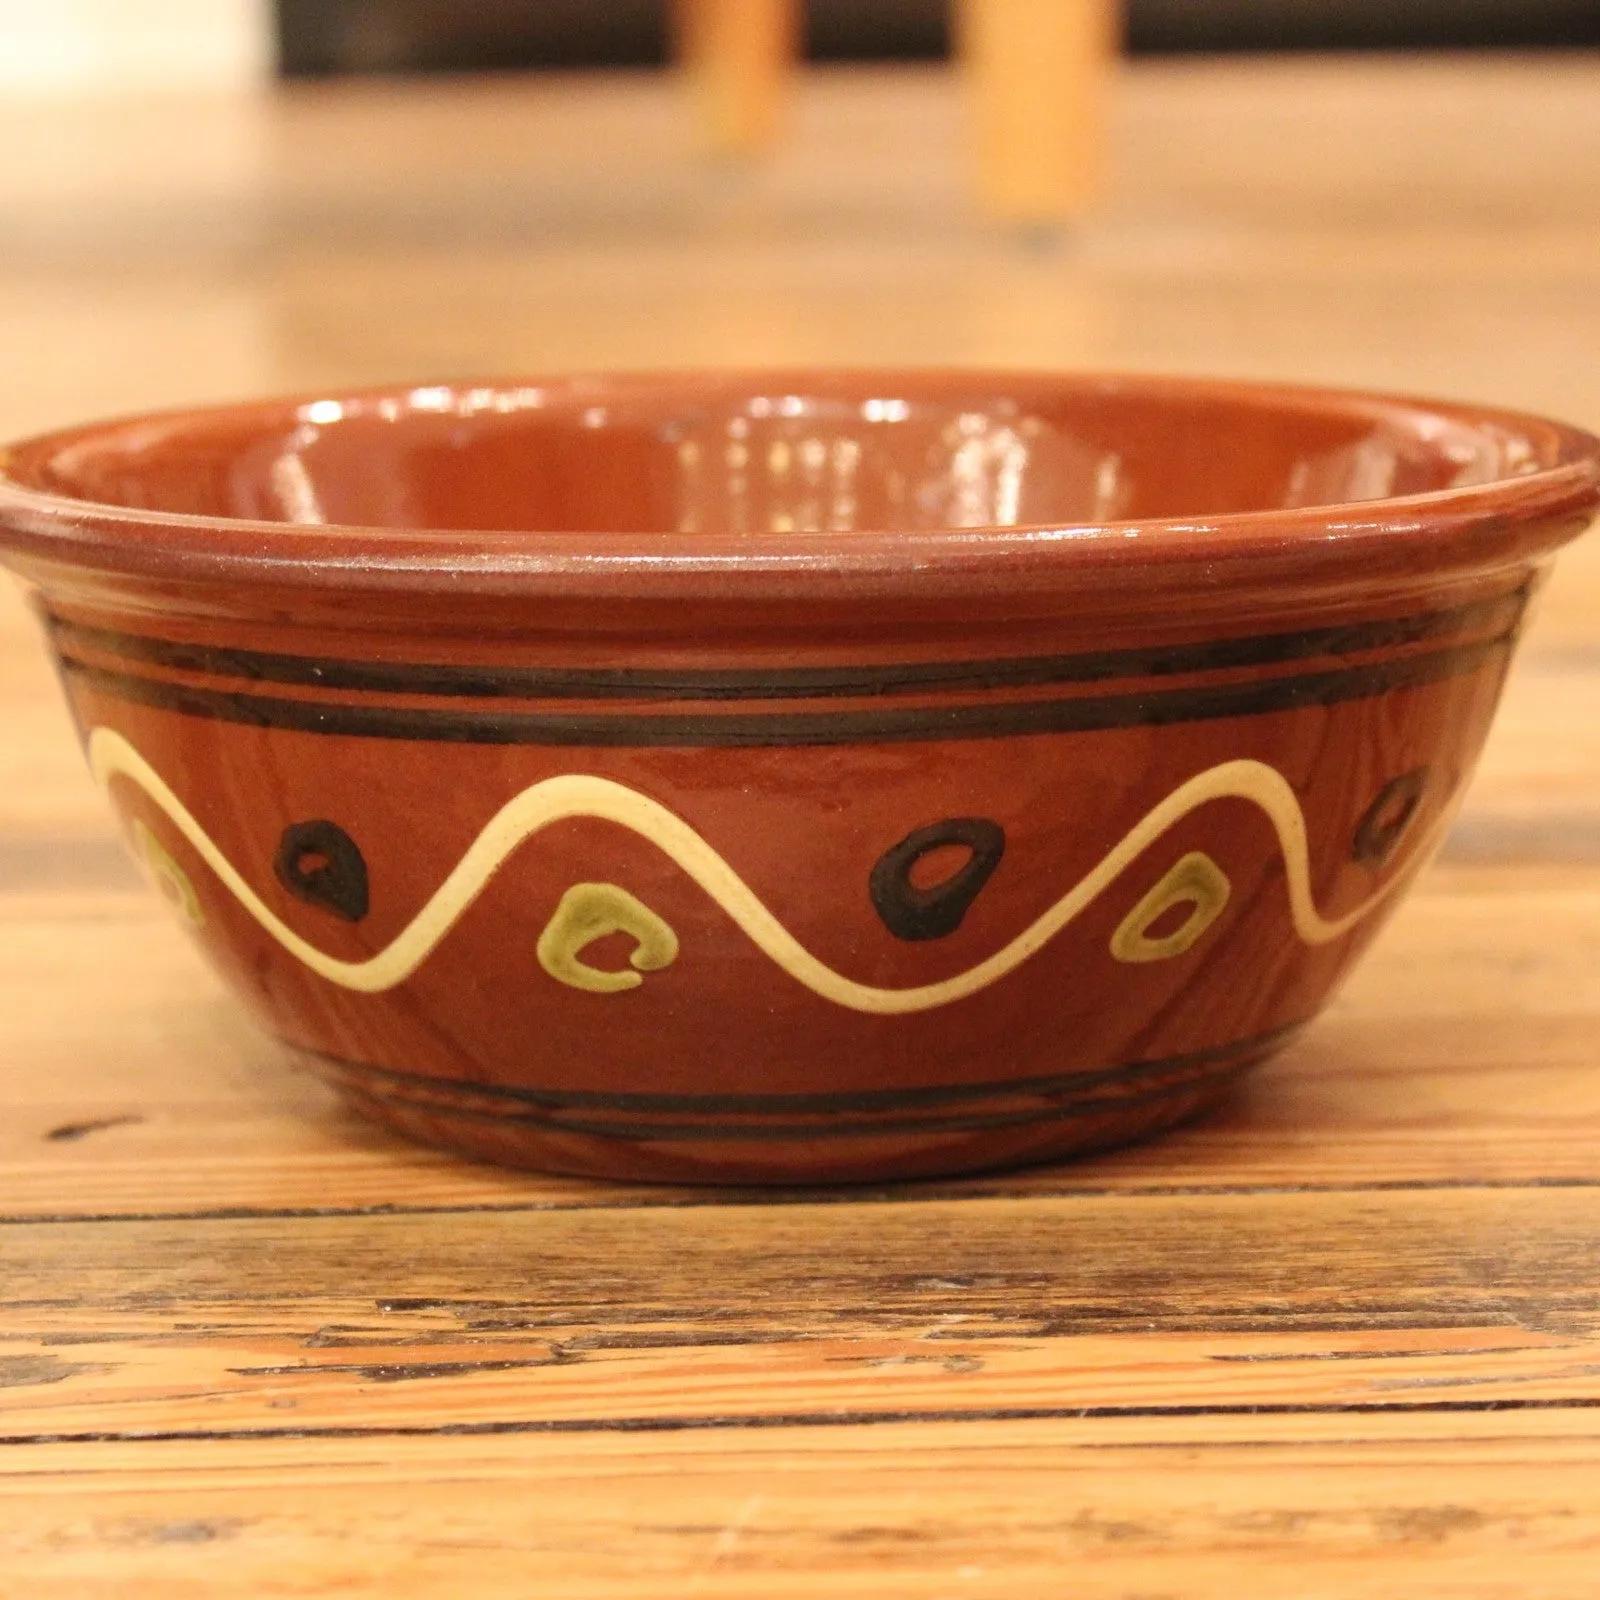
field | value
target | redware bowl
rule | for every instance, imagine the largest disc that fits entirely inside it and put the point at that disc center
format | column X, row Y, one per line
column 789, row 776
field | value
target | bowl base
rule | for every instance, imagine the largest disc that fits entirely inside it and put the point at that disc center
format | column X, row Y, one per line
column 766, row 1156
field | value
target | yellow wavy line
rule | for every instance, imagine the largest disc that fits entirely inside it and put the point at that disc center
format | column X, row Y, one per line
column 577, row 795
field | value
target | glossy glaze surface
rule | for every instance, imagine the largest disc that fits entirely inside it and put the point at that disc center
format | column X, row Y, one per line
column 751, row 779
column 797, row 454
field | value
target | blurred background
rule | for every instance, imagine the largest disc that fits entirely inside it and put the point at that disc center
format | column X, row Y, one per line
column 322, row 36
column 212, row 197
column 203, row 199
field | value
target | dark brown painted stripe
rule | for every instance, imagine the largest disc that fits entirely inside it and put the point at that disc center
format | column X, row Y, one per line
column 557, row 683
column 962, row 721
column 944, row 1094
column 811, row 1132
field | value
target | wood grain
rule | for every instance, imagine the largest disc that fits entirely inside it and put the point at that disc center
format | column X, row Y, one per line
column 1018, row 1306
column 1338, row 1341
column 1343, row 1511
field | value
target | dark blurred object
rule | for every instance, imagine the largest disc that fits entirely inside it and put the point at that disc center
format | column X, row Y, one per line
column 329, row 36
column 333, row 36
column 1199, row 25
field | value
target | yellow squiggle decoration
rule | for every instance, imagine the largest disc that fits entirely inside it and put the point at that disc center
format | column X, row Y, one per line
column 589, row 911
column 170, row 880
column 576, row 795
column 1195, row 880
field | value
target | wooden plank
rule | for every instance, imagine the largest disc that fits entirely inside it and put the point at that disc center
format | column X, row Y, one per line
column 1492, row 1506
column 45, row 789
column 586, row 1319
column 363, row 1381
column 1537, row 791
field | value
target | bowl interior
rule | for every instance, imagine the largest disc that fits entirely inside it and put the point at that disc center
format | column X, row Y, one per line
column 781, row 456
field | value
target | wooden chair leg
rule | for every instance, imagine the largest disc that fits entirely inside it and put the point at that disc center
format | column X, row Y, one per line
column 1039, row 71
column 738, row 55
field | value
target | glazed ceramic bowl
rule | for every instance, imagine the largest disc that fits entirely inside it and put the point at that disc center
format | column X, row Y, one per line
column 789, row 776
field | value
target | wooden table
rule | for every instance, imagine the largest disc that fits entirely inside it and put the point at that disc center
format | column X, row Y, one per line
column 1340, row 1341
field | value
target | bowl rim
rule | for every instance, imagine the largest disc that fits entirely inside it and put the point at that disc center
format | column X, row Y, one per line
column 1347, row 545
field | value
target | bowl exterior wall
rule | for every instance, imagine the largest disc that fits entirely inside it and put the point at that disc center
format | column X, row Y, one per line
column 835, row 908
